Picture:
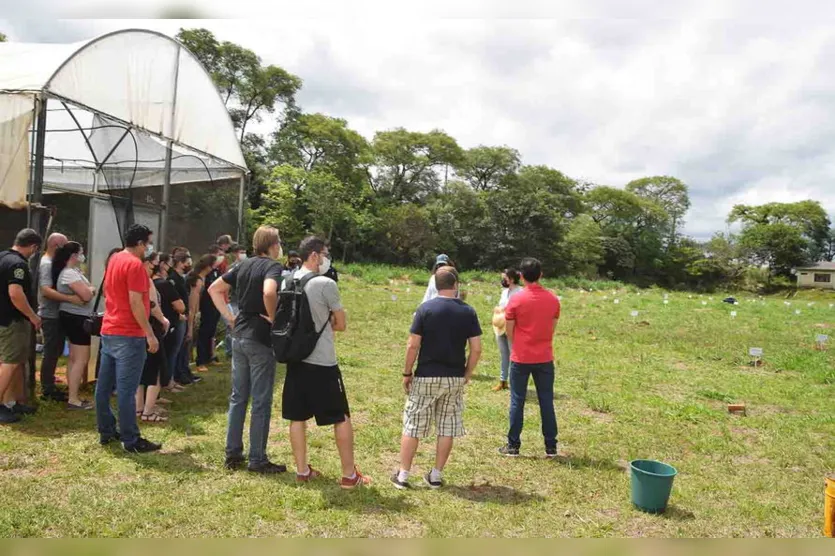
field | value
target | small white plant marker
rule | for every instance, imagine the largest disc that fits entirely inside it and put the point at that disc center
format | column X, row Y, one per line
column 617, row 301
column 408, row 290
column 733, row 314
column 704, row 303
column 393, row 297
column 757, row 354
column 634, row 314
column 797, row 311
column 821, row 340
column 666, row 302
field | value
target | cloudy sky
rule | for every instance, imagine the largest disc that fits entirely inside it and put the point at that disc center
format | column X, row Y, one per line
column 738, row 104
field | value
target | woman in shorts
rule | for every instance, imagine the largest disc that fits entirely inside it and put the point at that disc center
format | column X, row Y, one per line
column 70, row 280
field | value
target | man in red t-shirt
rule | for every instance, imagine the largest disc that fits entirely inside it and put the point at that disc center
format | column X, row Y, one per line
column 531, row 317
column 124, row 334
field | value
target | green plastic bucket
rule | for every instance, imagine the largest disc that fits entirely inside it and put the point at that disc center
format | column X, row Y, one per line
column 652, row 482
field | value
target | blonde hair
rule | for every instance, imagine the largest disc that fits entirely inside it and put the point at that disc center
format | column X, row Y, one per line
column 264, row 238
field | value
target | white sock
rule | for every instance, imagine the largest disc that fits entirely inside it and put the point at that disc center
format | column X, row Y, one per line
column 403, row 476
column 435, row 475
column 11, row 404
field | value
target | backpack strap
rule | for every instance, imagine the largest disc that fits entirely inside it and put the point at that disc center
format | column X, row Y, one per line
column 302, row 283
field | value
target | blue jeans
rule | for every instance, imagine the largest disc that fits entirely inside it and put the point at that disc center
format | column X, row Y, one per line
column 543, row 379
column 177, row 335
column 504, row 352
column 253, row 376
column 206, row 337
column 122, row 359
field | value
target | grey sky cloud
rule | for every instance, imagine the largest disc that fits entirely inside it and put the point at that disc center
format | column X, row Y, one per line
column 738, row 106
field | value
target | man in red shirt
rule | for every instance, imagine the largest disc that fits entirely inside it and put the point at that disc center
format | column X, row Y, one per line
column 531, row 319
column 124, row 334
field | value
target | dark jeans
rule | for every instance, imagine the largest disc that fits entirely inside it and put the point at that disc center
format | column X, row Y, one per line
column 53, row 348
column 122, row 360
column 543, row 379
column 253, row 376
column 206, row 336
column 174, row 345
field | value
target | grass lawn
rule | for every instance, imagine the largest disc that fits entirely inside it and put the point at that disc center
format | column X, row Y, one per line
column 653, row 386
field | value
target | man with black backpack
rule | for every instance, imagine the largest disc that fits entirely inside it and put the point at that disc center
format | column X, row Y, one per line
column 256, row 282
column 310, row 311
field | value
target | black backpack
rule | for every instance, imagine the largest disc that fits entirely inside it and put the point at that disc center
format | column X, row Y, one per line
column 294, row 333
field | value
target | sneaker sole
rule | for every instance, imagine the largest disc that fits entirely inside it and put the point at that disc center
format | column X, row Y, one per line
column 430, row 485
column 510, row 455
column 399, row 486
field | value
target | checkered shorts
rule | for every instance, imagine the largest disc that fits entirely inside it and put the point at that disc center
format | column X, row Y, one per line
column 434, row 399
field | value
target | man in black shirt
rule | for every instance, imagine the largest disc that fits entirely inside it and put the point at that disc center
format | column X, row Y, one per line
column 442, row 329
column 256, row 283
column 16, row 314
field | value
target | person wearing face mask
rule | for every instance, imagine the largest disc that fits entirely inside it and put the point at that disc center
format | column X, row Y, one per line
column 70, row 280
column 209, row 315
column 178, row 359
column 254, row 283
column 16, row 301
column 510, row 287
column 314, row 387
column 293, row 263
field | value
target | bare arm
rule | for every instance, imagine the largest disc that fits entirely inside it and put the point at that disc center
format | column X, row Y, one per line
column 156, row 310
column 510, row 328
column 82, row 291
column 219, row 292
column 473, row 357
column 270, row 298
column 179, row 306
column 412, row 351
column 20, row 302
column 53, row 295
column 339, row 321
column 193, row 305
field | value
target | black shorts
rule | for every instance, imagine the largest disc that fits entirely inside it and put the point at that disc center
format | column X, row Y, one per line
column 314, row 391
column 73, row 326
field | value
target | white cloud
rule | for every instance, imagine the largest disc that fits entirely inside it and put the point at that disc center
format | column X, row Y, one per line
column 740, row 109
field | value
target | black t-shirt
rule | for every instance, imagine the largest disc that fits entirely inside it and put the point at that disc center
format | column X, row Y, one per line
column 14, row 269
column 247, row 279
column 167, row 295
column 179, row 283
column 444, row 325
column 207, row 306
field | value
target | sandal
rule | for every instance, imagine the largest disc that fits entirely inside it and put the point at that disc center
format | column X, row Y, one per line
column 153, row 418
column 163, row 400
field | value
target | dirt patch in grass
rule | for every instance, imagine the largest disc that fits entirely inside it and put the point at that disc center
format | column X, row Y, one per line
column 600, row 416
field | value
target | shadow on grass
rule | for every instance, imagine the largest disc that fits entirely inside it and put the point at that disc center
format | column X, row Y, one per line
column 493, row 493
column 678, row 514
column 586, row 462
column 485, row 378
column 366, row 500
column 181, row 461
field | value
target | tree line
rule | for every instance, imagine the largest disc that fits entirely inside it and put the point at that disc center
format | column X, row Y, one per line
column 404, row 196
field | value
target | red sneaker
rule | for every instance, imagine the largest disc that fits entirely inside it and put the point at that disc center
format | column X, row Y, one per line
column 311, row 474
column 358, row 481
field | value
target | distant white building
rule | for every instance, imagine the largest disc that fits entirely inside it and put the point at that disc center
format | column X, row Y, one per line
column 818, row 275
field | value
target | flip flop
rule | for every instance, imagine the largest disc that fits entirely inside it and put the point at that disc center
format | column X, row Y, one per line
column 163, row 400
column 153, row 418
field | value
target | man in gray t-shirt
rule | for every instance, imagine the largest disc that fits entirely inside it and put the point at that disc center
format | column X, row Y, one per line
column 313, row 388
column 49, row 299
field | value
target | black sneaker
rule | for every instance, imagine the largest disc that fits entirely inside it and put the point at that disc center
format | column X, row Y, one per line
column 509, row 451
column 234, row 463
column 105, row 440
column 267, row 468
column 23, row 409
column 196, row 379
column 398, row 484
column 7, row 417
column 54, row 396
column 551, row 452
column 143, row 446
column 433, row 484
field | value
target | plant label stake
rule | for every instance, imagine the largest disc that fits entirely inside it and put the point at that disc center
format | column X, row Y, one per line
column 394, row 297
column 666, row 301
column 704, row 303
column 617, row 301
column 797, row 311
column 634, row 315
column 821, row 340
column 757, row 354
column 733, row 314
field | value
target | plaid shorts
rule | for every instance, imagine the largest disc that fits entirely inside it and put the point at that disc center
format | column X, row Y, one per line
column 434, row 399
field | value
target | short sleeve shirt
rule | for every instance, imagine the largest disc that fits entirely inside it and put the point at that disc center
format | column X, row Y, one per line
column 167, row 295
column 247, row 280
column 124, row 274
column 14, row 270
column 47, row 308
column 323, row 295
column 71, row 276
column 444, row 325
column 533, row 311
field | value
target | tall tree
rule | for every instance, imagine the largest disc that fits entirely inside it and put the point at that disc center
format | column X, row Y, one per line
column 2, row 37
column 486, row 167
column 406, row 163
column 670, row 193
column 248, row 88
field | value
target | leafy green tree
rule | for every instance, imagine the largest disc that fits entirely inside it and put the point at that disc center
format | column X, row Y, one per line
column 405, row 163
column 670, row 193
column 280, row 206
column 721, row 263
column 584, row 246
column 485, row 168
column 406, row 235
column 2, row 37
column 459, row 218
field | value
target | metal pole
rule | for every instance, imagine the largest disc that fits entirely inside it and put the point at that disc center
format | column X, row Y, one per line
column 241, row 229
column 166, row 199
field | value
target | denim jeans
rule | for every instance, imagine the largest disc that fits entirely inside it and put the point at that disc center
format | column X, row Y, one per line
column 253, row 375
column 122, row 359
column 543, row 379
column 206, row 337
column 504, row 352
column 183, row 374
column 177, row 335
column 53, row 348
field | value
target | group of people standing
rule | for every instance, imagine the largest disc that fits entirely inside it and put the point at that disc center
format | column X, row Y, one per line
column 151, row 303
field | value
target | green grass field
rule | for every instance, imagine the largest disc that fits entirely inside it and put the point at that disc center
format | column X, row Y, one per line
column 654, row 386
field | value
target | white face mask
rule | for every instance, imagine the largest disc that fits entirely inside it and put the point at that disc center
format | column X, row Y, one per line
column 324, row 264
column 241, row 256
column 81, row 258
column 149, row 249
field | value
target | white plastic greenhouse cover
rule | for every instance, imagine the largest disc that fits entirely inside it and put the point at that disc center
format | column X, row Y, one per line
column 140, row 77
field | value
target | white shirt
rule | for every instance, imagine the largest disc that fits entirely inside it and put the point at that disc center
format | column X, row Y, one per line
column 508, row 293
